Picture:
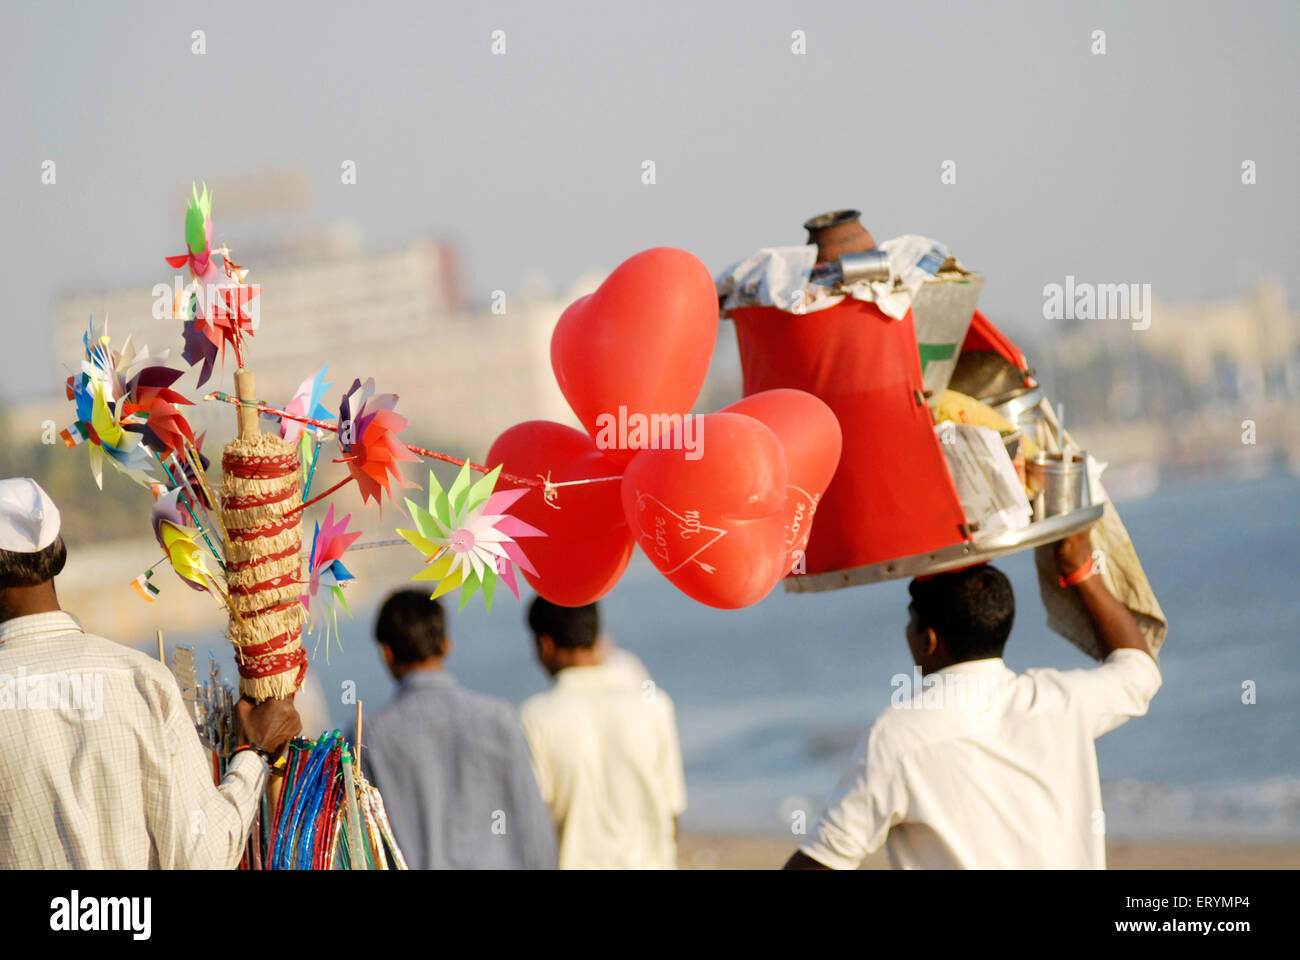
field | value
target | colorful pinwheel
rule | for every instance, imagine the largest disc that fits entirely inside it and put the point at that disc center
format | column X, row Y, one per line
column 367, row 435
column 306, row 402
column 215, row 306
column 111, row 413
column 183, row 552
column 325, row 569
column 467, row 537
column 198, row 238
column 199, row 348
column 149, row 408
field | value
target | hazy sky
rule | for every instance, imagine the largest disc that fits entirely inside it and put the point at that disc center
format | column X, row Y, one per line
column 1117, row 168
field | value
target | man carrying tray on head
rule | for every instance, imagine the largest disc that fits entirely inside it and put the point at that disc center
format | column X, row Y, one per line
column 983, row 767
column 105, row 769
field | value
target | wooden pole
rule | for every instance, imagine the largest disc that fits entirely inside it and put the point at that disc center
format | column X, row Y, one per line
column 246, row 389
column 161, row 658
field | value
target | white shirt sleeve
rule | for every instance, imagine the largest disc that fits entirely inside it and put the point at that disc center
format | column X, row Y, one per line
column 1119, row 689
column 869, row 799
column 196, row 824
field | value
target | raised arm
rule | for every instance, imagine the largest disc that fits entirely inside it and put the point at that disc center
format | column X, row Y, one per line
column 1114, row 625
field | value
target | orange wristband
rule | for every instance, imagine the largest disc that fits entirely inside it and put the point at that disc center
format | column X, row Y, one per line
column 1080, row 575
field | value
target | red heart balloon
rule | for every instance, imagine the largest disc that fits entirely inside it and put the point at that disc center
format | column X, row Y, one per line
column 634, row 353
column 810, row 435
column 713, row 525
column 587, row 543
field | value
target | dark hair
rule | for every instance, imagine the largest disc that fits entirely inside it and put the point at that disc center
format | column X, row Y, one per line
column 971, row 609
column 570, row 627
column 412, row 625
column 31, row 569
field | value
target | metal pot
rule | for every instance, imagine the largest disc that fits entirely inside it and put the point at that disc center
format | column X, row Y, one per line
column 1024, row 410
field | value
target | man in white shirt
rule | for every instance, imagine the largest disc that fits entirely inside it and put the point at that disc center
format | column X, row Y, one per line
column 984, row 768
column 102, row 766
column 604, row 751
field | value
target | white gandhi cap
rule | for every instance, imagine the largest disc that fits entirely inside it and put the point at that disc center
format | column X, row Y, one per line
column 29, row 520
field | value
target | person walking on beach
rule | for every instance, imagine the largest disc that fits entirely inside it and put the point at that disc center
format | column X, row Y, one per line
column 453, row 765
column 104, row 769
column 983, row 767
column 604, row 749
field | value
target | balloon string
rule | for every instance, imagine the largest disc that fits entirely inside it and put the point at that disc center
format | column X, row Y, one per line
column 551, row 492
column 549, row 487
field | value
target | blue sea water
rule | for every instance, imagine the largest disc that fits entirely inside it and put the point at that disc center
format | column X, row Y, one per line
column 772, row 699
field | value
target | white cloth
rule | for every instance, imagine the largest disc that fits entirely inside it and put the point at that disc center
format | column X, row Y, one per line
column 780, row 277
column 29, row 520
column 609, row 767
column 103, row 768
column 1002, row 776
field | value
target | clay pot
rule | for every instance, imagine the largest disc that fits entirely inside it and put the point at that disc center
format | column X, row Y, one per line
column 837, row 233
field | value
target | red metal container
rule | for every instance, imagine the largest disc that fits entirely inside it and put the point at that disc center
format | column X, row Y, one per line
column 892, row 496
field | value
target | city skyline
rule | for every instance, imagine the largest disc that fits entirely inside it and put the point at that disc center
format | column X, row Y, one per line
column 1122, row 165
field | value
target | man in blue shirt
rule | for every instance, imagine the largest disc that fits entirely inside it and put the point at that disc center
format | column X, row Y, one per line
column 453, row 766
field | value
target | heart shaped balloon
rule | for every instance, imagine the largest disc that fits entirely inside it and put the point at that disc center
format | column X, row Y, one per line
column 587, row 543
column 632, row 356
column 810, row 435
column 710, row 514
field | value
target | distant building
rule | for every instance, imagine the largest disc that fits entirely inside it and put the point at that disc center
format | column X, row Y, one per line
column 1196, row 358
column 462, row 376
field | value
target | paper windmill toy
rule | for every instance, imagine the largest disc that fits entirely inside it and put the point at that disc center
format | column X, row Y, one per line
column 306, row 403
column 325, row 569
column 198, row 238
column 176, row 535
column 368, row 439
column 216, row 304
column 467, row 538
column 126, row 409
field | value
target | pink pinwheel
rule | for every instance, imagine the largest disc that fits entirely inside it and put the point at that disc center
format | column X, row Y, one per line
column 494, row 516
column 306, row 402
column 325, row 566
column 325, row 569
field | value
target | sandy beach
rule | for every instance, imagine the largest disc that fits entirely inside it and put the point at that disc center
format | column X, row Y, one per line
column 717, row 851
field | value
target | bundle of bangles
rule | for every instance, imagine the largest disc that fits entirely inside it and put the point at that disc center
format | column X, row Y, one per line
column 325, row 815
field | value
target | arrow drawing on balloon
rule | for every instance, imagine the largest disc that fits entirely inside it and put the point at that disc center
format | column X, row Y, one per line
column 688, row 525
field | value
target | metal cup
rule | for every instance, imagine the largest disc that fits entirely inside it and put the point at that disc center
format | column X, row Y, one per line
column 1061, row 482
column 867, row 265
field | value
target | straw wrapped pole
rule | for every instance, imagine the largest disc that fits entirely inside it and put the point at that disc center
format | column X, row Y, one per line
column 259, row 492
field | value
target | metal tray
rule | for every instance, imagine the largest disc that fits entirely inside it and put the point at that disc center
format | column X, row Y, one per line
column 949, row 558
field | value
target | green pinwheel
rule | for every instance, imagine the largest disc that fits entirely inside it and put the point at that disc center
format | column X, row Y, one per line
column 467, row 538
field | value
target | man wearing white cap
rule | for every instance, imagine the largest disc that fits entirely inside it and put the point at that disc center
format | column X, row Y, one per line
column 104, row 768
